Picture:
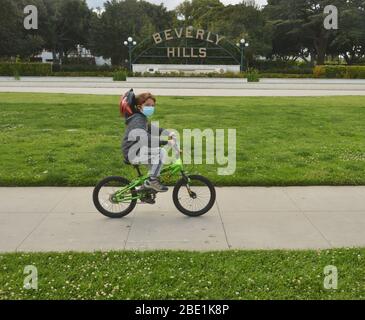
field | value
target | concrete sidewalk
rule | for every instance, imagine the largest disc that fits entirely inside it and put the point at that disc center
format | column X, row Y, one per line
column 186, row 86
column 62, row 219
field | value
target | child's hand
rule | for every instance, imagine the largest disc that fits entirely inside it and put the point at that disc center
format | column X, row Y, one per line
column 171, row 142
column 172, row 139
column 172, row 135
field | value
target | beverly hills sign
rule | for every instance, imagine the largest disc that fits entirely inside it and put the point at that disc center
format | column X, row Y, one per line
column 187, row 33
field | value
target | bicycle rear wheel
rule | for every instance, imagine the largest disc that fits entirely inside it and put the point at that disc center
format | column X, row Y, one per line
column 194, row 198
column 105, row 200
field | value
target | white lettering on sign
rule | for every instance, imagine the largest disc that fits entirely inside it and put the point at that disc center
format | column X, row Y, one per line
column 178, row 52
column 189, row 33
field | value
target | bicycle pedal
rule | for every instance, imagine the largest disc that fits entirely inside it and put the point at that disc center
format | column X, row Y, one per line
column 140, row 189
column 148, row 202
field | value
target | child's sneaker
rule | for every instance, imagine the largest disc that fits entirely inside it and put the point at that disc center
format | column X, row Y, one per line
column 156, row 185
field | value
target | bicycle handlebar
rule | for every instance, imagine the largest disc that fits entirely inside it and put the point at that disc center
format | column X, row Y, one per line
column 176, row 147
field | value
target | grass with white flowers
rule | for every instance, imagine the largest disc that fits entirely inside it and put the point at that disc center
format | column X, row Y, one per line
column 185, row 275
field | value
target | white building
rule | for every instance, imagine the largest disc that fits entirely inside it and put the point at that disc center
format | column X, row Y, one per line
column 186, row 68
column 47, row 56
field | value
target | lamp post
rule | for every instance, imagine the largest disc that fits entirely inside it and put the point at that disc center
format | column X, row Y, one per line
column 242, row 45
column 130, row 44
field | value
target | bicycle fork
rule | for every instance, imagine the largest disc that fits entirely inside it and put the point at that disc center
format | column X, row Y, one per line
column 187, row 181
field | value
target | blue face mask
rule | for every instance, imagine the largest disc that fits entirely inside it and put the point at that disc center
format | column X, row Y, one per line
column 148, row 111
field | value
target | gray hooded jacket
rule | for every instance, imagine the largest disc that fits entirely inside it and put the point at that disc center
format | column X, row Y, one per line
column 139, row 121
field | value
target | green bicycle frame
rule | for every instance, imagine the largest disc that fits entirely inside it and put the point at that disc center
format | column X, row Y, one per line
column 171, row 170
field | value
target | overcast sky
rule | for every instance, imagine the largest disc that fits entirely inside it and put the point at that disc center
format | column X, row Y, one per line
column 170, row 4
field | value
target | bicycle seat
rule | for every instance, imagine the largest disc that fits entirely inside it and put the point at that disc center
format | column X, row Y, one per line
column 130, row 164
column 135, row 166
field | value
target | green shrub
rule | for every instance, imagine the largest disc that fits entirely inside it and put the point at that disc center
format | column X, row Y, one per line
column 16, row 70
column 16, row 74
column 339, row 71
column 120, row 75
column 25, row 69
column 253, row 75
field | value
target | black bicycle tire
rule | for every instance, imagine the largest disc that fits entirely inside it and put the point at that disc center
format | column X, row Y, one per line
column 105, row 212
column 207, row 208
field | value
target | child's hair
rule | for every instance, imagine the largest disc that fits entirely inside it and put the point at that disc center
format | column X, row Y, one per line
column 143, row 97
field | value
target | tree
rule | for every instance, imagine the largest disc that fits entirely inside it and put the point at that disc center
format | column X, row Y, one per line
column 349, row 41
column 122, row 19
column 199, row 13
column 67, row 25
column 245, row 20
column 301, row 22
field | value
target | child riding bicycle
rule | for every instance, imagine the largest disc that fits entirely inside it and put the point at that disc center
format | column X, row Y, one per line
column 116, row 196
column 142, row 141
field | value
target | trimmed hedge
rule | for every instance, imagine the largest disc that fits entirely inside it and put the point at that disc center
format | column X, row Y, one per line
column 294, row 70
column 25, row 69
column 45, row 69
column 83, row 68
column 188, row 75
column 221, row 75
column 339, row 72
column 278, row 66
column 286, row 76
column 83, row 74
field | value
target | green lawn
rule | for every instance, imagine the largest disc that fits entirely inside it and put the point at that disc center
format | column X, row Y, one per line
column 185, row 275
column 54, row 139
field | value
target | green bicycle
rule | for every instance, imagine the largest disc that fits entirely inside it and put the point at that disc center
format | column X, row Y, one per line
column 116, row 197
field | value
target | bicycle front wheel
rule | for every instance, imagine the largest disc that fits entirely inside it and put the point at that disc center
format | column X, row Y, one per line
column 194, row 198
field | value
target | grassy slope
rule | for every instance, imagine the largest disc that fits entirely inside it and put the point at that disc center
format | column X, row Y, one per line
column 185, row 275
column 54, row 139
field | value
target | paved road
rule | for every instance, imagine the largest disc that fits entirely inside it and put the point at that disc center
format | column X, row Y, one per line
column 186, row 87
column 62, row 219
